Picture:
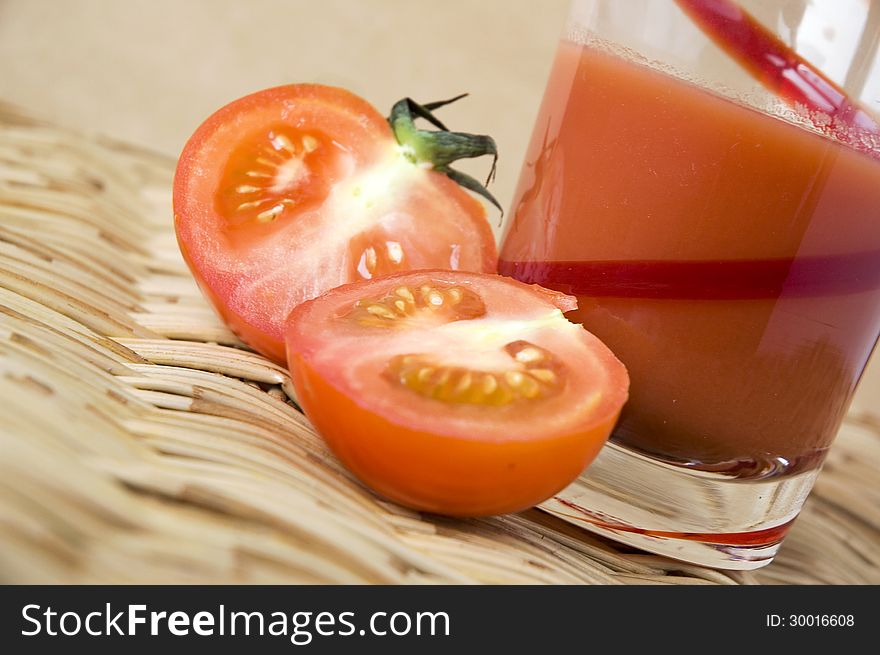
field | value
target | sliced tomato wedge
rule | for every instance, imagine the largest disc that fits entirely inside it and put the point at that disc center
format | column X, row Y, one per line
column 294, row 190
column 455, row 393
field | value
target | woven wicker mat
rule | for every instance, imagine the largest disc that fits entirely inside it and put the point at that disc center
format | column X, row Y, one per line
column 140, row 442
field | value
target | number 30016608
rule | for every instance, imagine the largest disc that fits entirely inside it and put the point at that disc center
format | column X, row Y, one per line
column 810, row 620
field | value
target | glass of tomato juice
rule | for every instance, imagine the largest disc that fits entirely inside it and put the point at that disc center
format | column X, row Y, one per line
column 704, row 175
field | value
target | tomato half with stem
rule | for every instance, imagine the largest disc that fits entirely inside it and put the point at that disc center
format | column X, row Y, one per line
column 455, row 393
column 294, row 190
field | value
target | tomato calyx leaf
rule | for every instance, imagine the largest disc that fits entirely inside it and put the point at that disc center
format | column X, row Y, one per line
column 442, row 147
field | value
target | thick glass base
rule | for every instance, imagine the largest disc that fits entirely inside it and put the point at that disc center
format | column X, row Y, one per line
column 697, row 516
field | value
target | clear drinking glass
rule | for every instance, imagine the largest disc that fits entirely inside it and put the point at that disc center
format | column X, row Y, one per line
column 704, row 175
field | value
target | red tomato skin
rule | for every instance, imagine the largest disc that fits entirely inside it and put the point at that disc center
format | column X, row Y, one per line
column 257, row 339
column 373, row 136
column 442, row 474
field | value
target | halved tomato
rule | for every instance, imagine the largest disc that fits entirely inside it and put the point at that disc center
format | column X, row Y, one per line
column 294, row 190
column 456, row 393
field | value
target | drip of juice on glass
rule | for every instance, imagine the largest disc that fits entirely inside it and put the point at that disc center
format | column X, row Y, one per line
column 729, row 258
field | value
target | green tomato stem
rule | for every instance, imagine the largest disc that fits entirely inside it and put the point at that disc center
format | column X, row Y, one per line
column 439, row 148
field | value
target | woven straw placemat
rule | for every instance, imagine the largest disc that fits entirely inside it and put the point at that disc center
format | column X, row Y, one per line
column 140, row 442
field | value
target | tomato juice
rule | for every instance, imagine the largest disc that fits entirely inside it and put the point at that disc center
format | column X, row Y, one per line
column 730, row 258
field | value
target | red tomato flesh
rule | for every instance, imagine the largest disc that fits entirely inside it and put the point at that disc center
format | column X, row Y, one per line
column 455, row 393
column 288, row 192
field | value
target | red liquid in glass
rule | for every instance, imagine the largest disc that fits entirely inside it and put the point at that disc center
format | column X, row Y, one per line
column 730, row 259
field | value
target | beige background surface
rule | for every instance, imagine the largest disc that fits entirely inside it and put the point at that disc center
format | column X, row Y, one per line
column 150, row 71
